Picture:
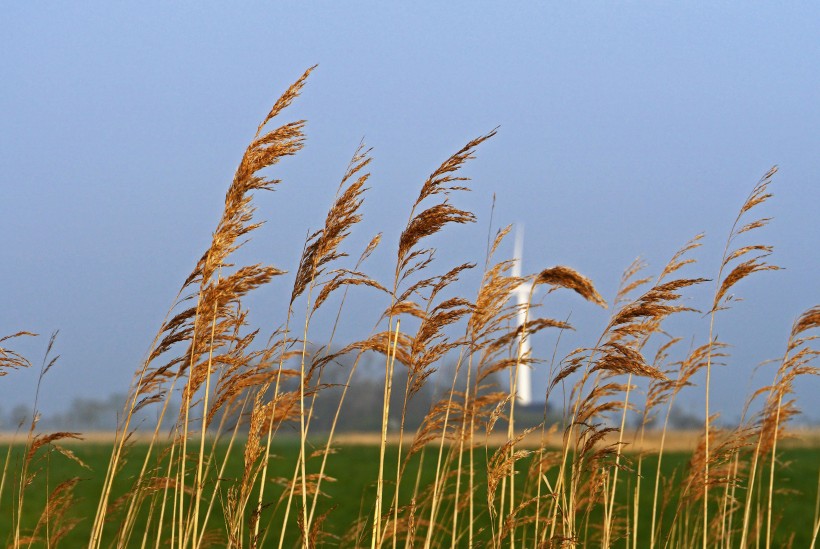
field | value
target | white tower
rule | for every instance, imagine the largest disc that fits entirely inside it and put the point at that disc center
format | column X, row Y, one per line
column 523, row 381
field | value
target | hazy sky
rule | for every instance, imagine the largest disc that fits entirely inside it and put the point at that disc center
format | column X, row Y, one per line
column 625, row 129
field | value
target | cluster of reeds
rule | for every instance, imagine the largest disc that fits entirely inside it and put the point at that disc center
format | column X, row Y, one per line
column 491, row 486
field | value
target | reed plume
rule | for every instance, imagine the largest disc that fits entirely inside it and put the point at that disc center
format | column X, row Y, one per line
column 473, row 473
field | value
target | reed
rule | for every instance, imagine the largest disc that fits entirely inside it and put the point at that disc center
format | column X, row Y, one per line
column 470, row 474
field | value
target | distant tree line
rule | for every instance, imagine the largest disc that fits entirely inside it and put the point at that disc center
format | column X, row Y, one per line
column 361, row 411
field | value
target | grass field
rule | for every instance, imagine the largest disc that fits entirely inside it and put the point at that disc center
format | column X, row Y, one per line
column 351, row 497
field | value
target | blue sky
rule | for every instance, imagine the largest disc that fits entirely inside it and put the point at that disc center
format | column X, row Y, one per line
column 625, row 129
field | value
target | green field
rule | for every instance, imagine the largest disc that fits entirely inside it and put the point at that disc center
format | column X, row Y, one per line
column 352, row 495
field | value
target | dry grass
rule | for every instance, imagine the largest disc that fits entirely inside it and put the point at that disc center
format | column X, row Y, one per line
column 544, row 487
column 650, row 441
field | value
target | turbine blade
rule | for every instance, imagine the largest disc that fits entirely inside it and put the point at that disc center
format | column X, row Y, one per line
column 518, row 254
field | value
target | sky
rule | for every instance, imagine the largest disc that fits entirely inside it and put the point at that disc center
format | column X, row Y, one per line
column 624, row 130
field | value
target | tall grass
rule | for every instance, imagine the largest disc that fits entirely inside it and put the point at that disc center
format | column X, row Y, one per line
column 493, row 483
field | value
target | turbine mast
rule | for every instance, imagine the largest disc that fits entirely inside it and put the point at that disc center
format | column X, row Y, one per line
column 523, row 382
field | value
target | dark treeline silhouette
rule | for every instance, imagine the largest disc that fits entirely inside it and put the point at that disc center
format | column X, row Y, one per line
column 361, row 411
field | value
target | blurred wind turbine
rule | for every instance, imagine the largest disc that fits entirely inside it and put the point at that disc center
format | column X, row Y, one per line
column 523, row 382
